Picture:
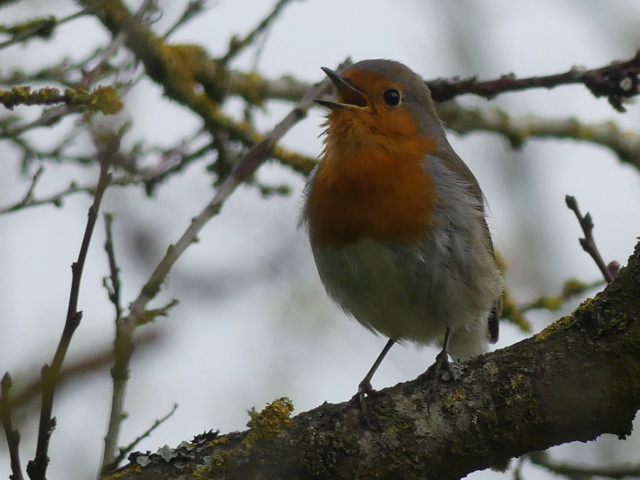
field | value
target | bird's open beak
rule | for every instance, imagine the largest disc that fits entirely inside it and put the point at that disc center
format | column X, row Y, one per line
column 348, row 95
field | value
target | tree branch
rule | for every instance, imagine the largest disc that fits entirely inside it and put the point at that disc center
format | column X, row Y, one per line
column 529, row 396
column 12, row 435
column 518, row 130
column 588, row 243
column 617, row 81
column 37, row 467
column 237, row 45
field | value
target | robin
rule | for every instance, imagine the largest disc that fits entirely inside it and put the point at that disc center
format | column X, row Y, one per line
column 396, row 219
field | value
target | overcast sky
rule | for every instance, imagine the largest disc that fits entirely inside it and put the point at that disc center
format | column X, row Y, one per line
column 254, row 323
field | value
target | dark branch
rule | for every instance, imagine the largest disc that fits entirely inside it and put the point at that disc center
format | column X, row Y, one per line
column 13, row 436
column 617, row 81
column 237, row 45
column 37, row 467
column 588, row 243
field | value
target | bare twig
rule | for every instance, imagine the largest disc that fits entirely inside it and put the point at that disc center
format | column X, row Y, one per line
column 617, row 81
column 113, row 288
column 588, row 243
column 13, row 436
column 124, row 451
column 123, row 349
column 37, row 467
column 237, row 45
column 55, row 199
column 193, row 9
column 571, row 289
column 28, row 196
column 583, row 472
column 44, row 27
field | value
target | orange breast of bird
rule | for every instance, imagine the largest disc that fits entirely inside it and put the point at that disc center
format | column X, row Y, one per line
column 371, row 181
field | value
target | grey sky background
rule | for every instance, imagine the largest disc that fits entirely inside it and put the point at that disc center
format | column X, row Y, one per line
column 254, row 323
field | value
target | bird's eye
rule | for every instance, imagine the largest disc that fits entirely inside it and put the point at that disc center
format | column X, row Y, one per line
column 391, row 98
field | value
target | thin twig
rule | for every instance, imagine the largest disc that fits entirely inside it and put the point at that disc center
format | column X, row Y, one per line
column 45, row 26
column 28, row 197
column 37, row 467
column 193, row 9
column 124, row 451
column 123, row 349
column 114, row 277
column 570, row 290
column 237, row 45
column 588, row 243
column 13, row 436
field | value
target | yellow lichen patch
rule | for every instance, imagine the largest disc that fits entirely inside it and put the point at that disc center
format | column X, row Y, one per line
column 122, row 472
column 562, row 322
column 218, row 441
column 102, row 99
column 264, row 425
column 105, row 100
column 271, row 421
column 23, row 95
column 453, row 399
column 187, row 57
column 177, row 69
column 253, row 89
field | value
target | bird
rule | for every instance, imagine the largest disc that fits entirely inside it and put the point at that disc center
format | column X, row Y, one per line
column 397, row 221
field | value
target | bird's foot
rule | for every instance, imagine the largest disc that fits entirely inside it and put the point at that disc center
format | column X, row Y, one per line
column 441, row 370
column 360, row 399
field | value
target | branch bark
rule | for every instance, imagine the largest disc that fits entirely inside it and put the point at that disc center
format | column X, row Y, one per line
column 576, row 380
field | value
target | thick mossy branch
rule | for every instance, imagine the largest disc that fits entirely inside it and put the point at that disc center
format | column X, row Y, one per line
column 530, row 396
column 193, row 79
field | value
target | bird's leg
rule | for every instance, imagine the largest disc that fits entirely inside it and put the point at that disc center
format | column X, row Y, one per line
column 365, row 388
column 440, row 366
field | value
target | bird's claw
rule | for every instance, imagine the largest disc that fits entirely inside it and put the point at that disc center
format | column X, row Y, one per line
column 360, row 399
column 441, row 370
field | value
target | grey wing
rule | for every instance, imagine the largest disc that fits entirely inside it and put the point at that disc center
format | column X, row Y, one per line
column 456, row 163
